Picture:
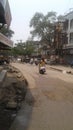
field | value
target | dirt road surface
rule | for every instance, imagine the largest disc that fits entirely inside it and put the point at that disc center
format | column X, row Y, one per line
column 49, row 100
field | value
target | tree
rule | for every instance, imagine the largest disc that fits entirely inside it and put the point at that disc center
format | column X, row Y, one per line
column 29, row 48
column 6, row 31
column 19, row 49
column 43, row 26
column 22, row 48
column 61, row 18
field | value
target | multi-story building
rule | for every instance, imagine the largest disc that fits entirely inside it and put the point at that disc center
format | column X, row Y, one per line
column 5, row 13
column 68, row 27
column 5, row 18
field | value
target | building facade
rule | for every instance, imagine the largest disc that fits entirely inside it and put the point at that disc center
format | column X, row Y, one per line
column 5, row 13
column 68, row 28
column 5, row 18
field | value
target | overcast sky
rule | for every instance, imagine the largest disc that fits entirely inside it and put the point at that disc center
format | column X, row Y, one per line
column 22, row 11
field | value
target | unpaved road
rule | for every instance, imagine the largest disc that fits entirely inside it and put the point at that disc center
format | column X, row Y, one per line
column 53, row 100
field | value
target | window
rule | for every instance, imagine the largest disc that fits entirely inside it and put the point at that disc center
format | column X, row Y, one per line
column 71, row 24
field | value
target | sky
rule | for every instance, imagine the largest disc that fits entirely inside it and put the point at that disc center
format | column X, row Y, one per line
column 22, row 12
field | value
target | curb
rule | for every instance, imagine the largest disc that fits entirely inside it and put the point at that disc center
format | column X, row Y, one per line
column 63, row 71
column 56, row 69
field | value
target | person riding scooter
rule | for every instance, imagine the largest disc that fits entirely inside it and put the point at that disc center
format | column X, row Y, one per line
column 42, row 66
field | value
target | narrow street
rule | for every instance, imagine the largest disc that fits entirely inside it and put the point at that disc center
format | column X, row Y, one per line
column 49, row 101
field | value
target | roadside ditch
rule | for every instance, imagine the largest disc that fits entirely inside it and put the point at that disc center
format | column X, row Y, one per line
column 12, row 94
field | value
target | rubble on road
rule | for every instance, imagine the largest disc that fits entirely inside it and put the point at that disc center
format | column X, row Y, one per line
column 12, row 93
column 63, row 69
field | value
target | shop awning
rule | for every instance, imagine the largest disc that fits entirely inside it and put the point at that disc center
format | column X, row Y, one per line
column 5, row 42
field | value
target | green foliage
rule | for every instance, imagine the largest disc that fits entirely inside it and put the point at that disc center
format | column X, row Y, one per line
column 29, row 48
column 6, row 31
column 43, row 26
column 61, row 18
column 23, row 48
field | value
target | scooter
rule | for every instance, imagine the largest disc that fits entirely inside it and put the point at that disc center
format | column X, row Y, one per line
column 42, row 70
